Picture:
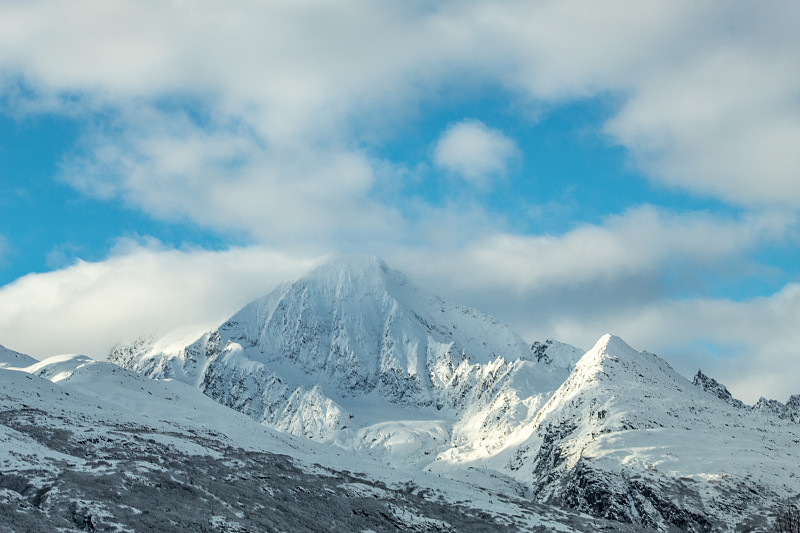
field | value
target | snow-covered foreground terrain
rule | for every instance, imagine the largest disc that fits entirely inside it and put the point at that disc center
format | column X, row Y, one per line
column 352, row 368
column 100, row 448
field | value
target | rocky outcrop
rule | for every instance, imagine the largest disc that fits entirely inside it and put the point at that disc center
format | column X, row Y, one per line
column 717, row 389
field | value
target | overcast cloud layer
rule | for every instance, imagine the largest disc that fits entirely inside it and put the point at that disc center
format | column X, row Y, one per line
column 264, row 120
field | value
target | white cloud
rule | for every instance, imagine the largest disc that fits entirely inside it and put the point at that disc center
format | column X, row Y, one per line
column 642, row 241
column 227, row 179
column 725, row 123
column 89, row 307
column 62, row 255
column 707, row 92
column 475, row 152
column 287, row 69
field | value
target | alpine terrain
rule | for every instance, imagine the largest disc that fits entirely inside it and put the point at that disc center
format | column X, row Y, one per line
column 350, row 400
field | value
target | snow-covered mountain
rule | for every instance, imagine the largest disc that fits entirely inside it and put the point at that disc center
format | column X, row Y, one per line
column 352, row 354
column 788, row 411
column 627, row 438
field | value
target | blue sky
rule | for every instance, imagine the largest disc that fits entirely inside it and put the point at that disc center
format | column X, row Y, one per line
column 47, row 224
column 573, row 168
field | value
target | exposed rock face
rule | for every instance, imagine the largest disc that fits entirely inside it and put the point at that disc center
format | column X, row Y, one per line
column 719, row 390
column 556, row 353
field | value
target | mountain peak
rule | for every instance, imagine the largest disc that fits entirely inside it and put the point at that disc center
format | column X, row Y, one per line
column 611, row 358
column 788, row 411
column 354, row 327
column 353, row 273
column 58, row 367
column 553, row 352
column 337, row 263
column 611, row 346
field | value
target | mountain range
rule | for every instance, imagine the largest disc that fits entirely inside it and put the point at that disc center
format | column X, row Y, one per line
column 353, row 368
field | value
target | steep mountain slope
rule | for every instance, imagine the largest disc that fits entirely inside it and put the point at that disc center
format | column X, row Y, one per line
column 338, row 353
column 627, row 438
column 102, row 449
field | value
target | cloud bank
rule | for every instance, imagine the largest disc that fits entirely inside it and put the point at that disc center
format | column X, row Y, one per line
column 142, row 289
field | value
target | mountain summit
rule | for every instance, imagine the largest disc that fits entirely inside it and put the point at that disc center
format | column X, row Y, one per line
column 319, row 353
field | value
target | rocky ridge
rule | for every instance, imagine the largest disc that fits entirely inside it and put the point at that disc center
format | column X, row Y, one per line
column 788, row 411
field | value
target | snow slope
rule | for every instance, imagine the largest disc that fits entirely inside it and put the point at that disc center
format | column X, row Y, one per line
column 12, row 359
column 627, row 438
column 96, row 447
